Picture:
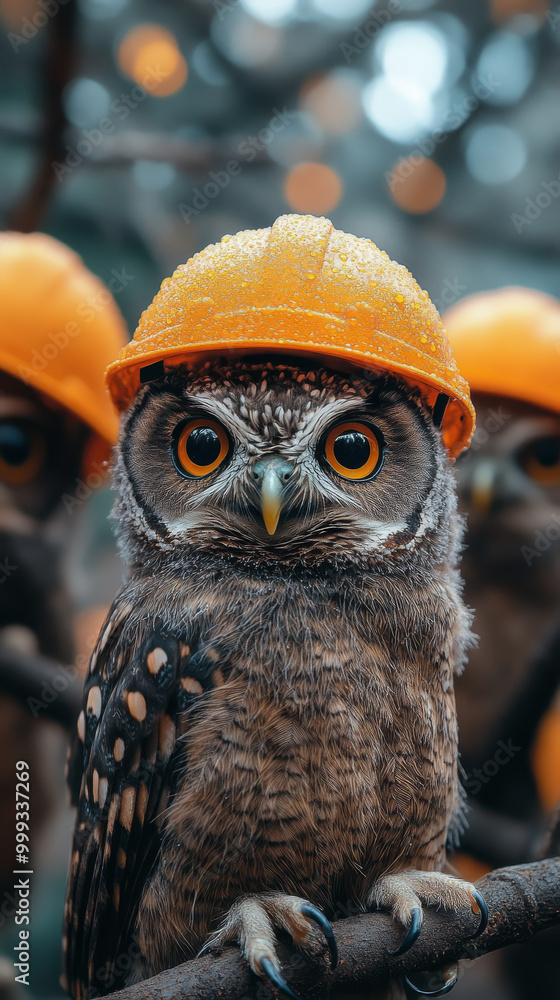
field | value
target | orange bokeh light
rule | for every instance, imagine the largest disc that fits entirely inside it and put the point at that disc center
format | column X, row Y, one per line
column 504, row 10
column 312, row 188
column 417, row 185
column 149, row 55
column 334, row 102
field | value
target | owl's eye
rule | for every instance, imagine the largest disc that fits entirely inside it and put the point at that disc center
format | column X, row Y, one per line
column 22, row 451
column 354, row 450
column 200, row 447
column 541, row 460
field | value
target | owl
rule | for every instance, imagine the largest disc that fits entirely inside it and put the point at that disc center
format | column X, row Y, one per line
column 55, row 419
column 509, row 489
column 269, row 731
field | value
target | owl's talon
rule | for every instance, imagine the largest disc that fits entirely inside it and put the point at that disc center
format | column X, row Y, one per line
column 313, row 913
column 479, row 901
column 415, row 926
column 275, row 978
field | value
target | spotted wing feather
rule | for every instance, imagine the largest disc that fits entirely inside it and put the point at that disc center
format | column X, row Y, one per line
column 120, row 777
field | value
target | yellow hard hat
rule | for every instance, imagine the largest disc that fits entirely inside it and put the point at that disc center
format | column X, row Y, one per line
column 59, row 328
column 300, row 286
column 507, row 342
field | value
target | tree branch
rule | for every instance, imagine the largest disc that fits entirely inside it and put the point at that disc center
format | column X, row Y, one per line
column 521, row 901
column 47, row 689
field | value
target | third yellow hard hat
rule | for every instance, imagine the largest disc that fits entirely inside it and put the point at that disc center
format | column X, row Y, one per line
column 507, row 342
column 59, row 328
column 300, row 286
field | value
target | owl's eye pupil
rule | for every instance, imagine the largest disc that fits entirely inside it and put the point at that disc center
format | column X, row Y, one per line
column 203, row 446
column 351, row 449
column 547, row 451
column 15, row 444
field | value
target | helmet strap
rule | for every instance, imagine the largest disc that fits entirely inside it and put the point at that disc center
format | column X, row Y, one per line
column 439, row 408
column 149, row 373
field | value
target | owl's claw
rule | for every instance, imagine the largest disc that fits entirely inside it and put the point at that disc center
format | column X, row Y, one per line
column 479, row 901
column 313, row 913
column 275, row 978
column 252, row 922
column 414, row 928
column 405, row 892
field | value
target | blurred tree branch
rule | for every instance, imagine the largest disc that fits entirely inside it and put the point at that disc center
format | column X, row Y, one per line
column 521, row 901
column 58, row 71
column 48, row 690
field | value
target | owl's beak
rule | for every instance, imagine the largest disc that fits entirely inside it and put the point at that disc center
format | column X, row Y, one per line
column 482, row 486
column 272, row 474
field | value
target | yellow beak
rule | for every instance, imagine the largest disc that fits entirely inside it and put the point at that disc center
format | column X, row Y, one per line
column 482, row 487
column 272, row 474
column 271, row 499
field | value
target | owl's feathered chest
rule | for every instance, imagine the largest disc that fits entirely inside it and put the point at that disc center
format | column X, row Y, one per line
column 318, row 722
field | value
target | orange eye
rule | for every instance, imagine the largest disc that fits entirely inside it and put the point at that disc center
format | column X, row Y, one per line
column 541, row 460
column 201, row 447
column 353, row 450
column 22, row 452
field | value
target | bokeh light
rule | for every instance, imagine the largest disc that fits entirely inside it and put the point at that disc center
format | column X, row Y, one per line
column 247, row 42
column 417, row 184
column 401, row 114
column 507, row 59
column 204, row 61
column 270, row 11
column 312, row 188
column 86, row 102
column 149, row 55
column 334, row 101
column 505, row 10
column 413, row 56
column 495, row 154
column 342, row 11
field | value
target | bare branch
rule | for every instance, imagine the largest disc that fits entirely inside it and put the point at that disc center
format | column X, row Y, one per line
column 521, row 901
column 48, row 690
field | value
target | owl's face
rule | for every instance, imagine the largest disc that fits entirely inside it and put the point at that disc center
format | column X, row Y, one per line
column 40, row 455
column 509, row 486
column 279, row 463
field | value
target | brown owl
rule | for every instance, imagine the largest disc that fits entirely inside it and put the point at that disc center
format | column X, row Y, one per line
column 55, row 422
column 507, row 343
column 269, row 728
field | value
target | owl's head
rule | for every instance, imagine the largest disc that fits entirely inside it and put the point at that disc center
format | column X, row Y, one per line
column 270, row 462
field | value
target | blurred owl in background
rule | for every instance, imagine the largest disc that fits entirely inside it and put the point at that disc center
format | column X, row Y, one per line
column 56, row 429
column 268, row 726
column 507, row 345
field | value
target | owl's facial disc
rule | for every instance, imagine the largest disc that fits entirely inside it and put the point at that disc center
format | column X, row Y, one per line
column 273, row 461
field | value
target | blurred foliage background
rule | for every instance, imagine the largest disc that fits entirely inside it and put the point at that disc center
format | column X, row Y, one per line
column 138, row 132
